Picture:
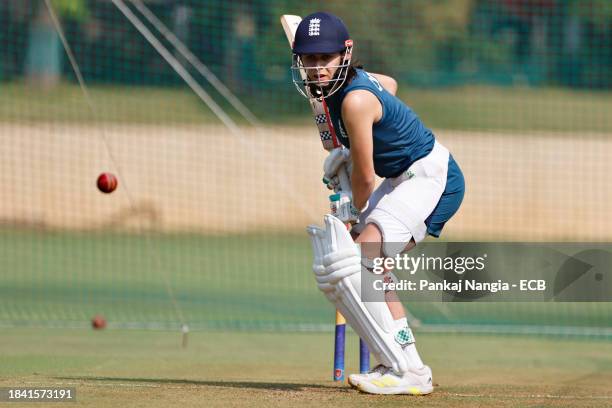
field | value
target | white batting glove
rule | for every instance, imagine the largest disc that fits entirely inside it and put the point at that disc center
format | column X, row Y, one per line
column 333, row 184
column 342, row 207
column 336, row 158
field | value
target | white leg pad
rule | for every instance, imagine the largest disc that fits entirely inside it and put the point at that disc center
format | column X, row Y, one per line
column 337, row 268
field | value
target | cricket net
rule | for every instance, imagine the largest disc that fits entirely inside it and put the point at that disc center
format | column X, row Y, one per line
column 207, row 225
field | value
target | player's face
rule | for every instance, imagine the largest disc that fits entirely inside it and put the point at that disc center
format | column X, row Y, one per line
column 321, row 67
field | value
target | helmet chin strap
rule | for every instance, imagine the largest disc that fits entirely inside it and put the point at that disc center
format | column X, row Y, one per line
column 318, row 91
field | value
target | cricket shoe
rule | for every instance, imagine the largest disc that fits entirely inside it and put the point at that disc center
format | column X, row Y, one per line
column 376, row 372
column 414, row 382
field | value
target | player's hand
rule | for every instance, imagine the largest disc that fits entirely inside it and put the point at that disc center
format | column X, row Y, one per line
column 332, row 184
column 342, row 207
column 337, row 157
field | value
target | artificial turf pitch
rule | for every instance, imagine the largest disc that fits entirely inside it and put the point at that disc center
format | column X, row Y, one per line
column 131, row 368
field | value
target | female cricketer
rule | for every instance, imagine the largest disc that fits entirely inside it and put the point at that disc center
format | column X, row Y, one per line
column 422, row 189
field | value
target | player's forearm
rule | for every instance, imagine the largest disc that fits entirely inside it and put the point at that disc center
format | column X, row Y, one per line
column 362, row 189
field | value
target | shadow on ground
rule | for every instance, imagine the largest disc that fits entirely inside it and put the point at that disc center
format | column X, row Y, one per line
column 279, row 386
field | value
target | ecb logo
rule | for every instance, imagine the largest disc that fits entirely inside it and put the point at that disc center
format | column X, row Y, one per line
column 314, row 27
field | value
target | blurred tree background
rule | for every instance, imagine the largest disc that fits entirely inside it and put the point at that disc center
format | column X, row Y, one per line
column 423, row 43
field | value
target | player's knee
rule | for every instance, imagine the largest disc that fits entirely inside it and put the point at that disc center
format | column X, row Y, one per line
column 371, row 233
column 411, row 244
column 371, row 242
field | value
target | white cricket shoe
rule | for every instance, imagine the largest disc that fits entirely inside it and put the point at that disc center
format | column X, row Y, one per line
column 376, row 372
column 415, row 382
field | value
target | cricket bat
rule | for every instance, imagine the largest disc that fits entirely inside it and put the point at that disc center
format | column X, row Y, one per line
column 319, row 108
column 330, row 141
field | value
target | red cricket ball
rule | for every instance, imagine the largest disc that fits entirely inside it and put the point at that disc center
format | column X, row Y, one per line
column 98, row 322
column 107, row 182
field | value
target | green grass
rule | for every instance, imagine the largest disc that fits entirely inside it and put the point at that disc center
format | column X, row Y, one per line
column 112, row 368
column 460, row 108
column 516, row 108
column 216, row 280
column 241, row 281
column 20, row 102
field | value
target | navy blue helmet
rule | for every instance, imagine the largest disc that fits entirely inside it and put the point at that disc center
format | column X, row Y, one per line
column 320, row 33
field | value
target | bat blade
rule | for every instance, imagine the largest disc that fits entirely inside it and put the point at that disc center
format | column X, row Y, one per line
column 290, row 24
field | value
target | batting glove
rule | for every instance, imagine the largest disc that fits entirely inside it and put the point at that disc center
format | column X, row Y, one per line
column 342, row 207
column 336, row 158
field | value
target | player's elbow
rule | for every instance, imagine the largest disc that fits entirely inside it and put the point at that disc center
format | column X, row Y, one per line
column 391, row 86
column 387, row 82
